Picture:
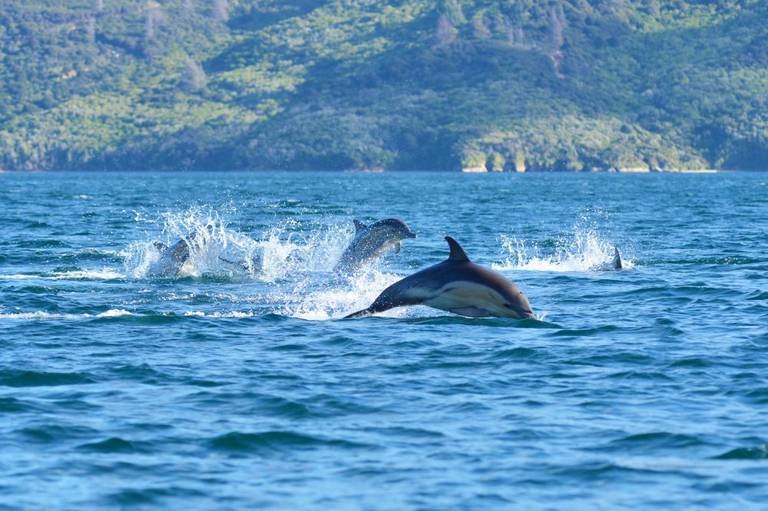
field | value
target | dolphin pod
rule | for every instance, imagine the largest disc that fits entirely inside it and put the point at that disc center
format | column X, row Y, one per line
column 455, row 285
column 371, row 242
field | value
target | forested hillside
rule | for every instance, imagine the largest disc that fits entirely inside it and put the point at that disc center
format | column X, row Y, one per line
column 384, row 84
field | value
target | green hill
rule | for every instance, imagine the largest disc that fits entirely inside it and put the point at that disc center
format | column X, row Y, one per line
column 375, row 84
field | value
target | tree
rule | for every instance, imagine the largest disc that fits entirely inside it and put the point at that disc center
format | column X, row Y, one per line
column 221, row 10
column 90, row 30
column 516, row 36
column 452, row 9
column 478, row 23
column 446, row 33
column 154, row 17
column 556, row 26
column 193, row 78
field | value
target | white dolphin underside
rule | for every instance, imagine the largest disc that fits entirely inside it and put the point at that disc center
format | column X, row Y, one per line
column 460, row 297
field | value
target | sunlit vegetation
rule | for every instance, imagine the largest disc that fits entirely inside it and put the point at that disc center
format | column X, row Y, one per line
column 497, row 85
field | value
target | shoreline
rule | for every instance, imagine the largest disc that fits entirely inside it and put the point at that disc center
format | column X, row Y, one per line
column 368, row 171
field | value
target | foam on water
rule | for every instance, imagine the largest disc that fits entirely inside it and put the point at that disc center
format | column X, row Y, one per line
column 18, row 276
column 230, row 314
column 43, row 315
column 583, row 250
column 96, row 274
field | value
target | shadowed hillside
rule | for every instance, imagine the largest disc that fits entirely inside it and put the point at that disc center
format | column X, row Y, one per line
column 370, row 84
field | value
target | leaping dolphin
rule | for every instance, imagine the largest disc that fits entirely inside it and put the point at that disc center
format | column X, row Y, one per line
column 371, row 241
column 456, row 285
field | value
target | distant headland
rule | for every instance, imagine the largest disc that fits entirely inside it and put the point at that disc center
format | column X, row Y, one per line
column 472, row 85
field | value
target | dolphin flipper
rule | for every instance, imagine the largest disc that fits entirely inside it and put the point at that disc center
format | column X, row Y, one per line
column 359, row 314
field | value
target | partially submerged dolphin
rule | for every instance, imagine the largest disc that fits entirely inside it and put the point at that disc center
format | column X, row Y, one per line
column 371, row 241
column 456, row 285
column 617, row 262
column 175, row 261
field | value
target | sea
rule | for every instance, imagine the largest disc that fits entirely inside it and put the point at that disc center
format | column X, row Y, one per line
column 238, row 384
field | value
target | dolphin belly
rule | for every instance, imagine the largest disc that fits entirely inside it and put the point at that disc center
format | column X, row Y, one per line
column 465, row 298
column 187, row 269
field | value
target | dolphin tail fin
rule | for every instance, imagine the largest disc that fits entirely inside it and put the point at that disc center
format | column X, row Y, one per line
column 617, row 264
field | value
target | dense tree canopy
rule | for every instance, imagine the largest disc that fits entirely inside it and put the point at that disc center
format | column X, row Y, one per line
column 373, row 84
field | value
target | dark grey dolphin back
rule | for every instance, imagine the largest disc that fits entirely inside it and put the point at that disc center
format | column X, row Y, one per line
column 370, row 242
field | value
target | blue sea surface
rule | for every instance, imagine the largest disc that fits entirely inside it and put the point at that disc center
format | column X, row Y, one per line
column 239, row 386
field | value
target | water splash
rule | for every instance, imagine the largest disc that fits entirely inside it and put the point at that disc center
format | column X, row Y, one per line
column 288, row 250
column 338, row 297
column 214, row 248
column 284, row 250
column 313, row 291
column 582, row 251
column 296, row 262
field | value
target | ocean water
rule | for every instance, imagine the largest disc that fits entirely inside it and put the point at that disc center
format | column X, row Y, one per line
column 237, row 386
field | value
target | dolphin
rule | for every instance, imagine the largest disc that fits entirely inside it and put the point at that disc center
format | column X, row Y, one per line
column 456, row 285
column 617, row 263
column 174, row 260
column 371, row 241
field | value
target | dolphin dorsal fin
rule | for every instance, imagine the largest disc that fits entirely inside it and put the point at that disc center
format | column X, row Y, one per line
column 359, row 226
column 457, row 253
column 617, row 264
